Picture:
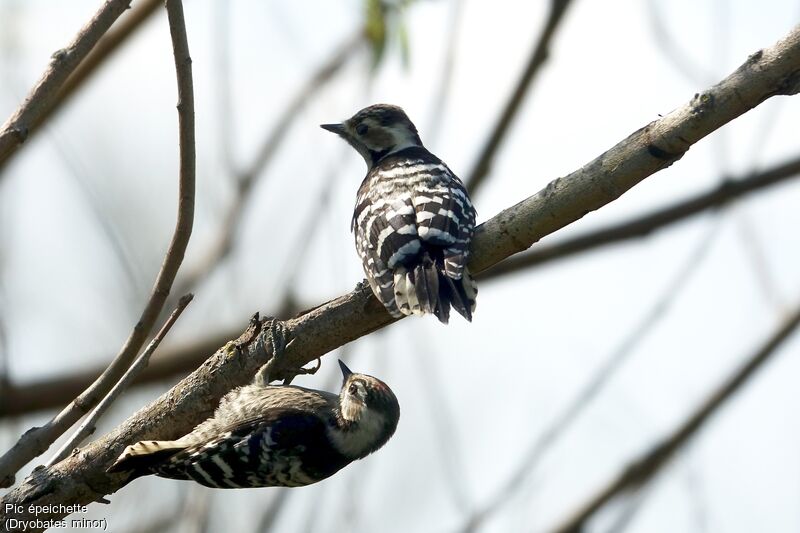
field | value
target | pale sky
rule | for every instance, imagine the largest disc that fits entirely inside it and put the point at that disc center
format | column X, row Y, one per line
column 474, row 397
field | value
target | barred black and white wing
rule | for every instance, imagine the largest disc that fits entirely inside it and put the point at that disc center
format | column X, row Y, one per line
column 286, row 447
column 413, row 223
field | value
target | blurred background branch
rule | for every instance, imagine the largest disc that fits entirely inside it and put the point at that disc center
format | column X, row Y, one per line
column 36, row 441
column 53, row 88
column 643, row 469
column 532, row 362
column 728, row 190
column 538, row 57
column 177, row 362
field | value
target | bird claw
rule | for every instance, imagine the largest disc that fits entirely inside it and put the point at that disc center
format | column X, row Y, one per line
column 276, row 334
column 302, row 371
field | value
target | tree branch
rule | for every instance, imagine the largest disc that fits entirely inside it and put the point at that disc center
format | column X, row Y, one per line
column 36, row 441
column 766, row 73
column 538, row 57
column 49, row 393
column 88, row 425
column 105, row 48
column 40, row 101
column 81, row 478
column 606, row 370
column 643, row 469
column 247, row 177
column 726, row 192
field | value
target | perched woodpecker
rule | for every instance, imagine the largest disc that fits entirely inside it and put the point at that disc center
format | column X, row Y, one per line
column 275, row 436
column 413, row 219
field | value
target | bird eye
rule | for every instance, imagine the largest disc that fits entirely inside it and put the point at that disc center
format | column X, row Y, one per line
column 362, row 129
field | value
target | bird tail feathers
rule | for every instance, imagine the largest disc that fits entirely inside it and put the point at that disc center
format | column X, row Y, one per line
column 427, row 288
column 143, row 456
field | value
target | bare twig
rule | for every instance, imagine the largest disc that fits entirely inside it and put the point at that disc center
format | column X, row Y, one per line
column 247, row 177
column 445, row 82
column 772, row 71
column 52, row 392
column 641, row 470
column 36, row 441
column 105, row 49
column 81, row 479
column 728, row 191
column 63, row 63
column 87, row 427
column 584, row 398
column 538, row 57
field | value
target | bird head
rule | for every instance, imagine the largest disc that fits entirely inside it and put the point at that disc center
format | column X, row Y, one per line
column 376, row 131
column 369, row 409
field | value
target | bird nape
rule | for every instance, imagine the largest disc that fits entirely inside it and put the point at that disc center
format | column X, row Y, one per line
column 274, row 436
column 413, row 220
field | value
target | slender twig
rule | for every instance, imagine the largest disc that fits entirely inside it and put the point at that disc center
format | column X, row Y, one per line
column 62, row 63
column 445, row 83
column 246, row 178
column 630, row 508
column 52, row 392
column 772, row 71
column 105, row 49
column 537, row 59
column 87, row 427
column 38, row 440
column 81, row 479
column 728, row 191
column 605, row 372
column 642, row 470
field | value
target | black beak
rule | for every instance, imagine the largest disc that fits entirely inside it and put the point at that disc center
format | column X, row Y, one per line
column 338, row 129
column 345, row 371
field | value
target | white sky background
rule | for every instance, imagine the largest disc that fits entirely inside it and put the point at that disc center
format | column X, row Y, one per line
column 473, row 396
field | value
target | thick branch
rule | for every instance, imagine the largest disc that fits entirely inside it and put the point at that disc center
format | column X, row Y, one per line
column 44, row 95
column 87, row 427
column 105, row 48
column 50, row 393
column 37, row 440
column 643, row 469
column 766, row 73
column 81, row 478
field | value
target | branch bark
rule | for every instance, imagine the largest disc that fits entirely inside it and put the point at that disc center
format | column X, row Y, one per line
column 766, row 73
column 718, row 197
column 82, row 479
column 49, row 393
column 40, row 101
column 87, row 427
column 37, row 440
column 644, row 469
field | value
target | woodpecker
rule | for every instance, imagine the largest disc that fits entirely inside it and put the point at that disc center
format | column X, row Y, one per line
column 265, row 435
column 413, row 220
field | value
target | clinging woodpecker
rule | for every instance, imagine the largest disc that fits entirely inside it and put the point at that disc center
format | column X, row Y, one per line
column 413, row 220
column 275, row 436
